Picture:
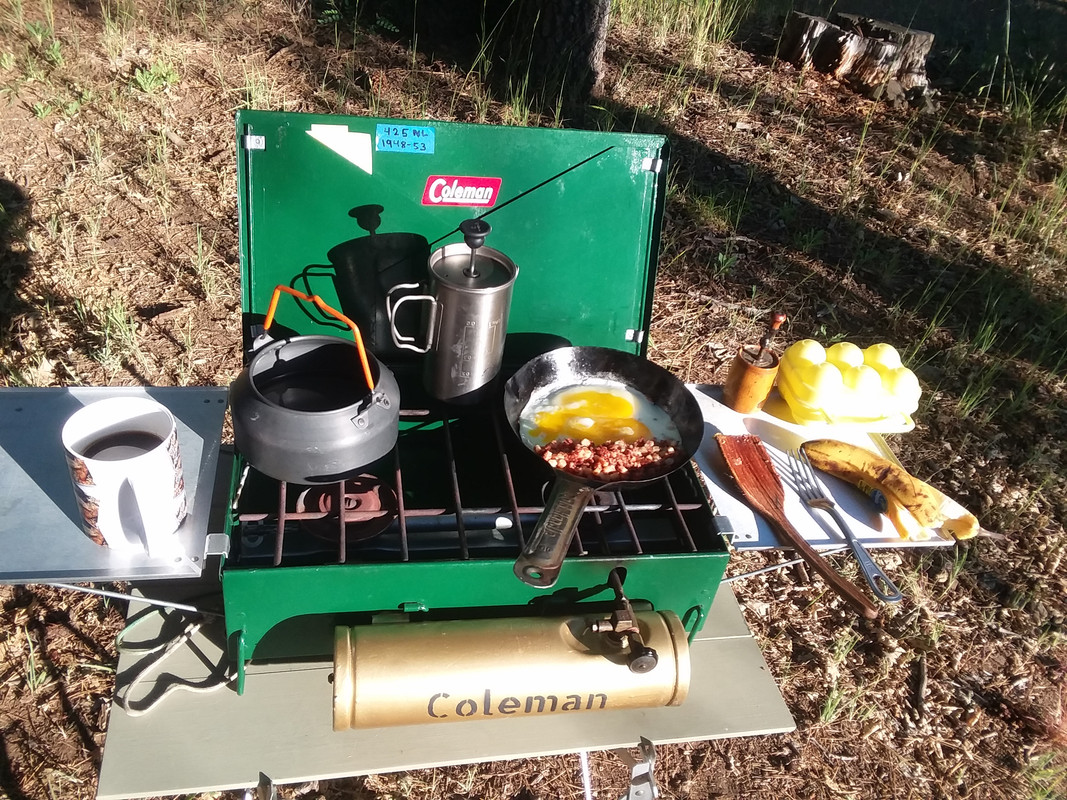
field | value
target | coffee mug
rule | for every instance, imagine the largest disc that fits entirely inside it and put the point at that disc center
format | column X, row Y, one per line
column 126, row 469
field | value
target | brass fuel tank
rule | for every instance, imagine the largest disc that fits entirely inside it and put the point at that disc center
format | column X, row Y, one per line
column 410, row 673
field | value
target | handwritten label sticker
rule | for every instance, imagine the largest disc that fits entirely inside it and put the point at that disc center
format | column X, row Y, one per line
column 404, row 139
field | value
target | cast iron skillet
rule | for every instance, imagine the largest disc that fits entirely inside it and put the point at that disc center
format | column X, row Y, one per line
column 540, row 562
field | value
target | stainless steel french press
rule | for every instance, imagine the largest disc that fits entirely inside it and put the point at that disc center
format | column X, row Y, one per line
column 466, row 316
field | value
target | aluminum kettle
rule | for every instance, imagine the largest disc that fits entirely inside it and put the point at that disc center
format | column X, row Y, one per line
column 313, row 409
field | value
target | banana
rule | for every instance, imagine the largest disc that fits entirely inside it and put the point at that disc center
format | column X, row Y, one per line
column 958, row 522
column 860, row 466
column 903, row 520
column 914, row 507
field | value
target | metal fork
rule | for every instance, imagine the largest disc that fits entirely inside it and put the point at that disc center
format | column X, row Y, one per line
column 814, row 495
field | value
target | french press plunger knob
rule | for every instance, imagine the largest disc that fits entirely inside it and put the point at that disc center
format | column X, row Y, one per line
column 474, row 232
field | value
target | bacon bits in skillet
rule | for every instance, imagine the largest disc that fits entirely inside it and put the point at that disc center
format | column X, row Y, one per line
column 611, row 461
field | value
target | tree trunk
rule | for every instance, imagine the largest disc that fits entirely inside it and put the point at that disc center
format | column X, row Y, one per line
column 558, row 46
column 554, row 49
column 864, row 52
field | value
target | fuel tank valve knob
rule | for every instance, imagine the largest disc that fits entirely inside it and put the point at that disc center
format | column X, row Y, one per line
column 642, row 659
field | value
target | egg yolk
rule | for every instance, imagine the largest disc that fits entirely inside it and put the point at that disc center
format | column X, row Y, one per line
column 593, row 414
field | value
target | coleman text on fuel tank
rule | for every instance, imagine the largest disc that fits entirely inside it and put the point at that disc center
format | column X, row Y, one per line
column 442, row 705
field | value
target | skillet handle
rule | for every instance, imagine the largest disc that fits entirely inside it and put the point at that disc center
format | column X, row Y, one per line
column 541, row 560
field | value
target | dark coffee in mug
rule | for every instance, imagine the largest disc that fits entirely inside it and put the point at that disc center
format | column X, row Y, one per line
column 122, row 445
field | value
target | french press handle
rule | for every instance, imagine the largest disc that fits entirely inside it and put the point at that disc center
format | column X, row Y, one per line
column 392, row 305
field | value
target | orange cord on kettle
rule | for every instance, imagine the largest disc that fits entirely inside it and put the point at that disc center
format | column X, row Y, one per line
column 333, row 312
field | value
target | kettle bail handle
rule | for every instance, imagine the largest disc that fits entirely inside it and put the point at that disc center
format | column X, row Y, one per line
column 326, row 309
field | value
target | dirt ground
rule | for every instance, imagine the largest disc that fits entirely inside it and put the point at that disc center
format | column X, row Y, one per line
column 864, row 221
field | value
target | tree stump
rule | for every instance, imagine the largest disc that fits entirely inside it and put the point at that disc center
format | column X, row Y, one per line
column 865, row 53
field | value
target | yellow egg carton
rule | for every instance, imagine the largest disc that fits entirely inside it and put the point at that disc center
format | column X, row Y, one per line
column 843, row 384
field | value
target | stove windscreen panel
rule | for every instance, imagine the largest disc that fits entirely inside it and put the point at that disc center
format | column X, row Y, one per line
column 348, row 207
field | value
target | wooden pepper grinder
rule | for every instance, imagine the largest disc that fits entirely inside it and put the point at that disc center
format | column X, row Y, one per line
column 753, row 371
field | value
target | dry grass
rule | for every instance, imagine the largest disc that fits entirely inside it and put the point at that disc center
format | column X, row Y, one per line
column 940, row 233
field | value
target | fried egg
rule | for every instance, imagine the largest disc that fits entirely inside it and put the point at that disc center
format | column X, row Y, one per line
column 600, row 412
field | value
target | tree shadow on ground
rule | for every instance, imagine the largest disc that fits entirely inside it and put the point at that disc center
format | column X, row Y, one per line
column 14, row 255
column 8, row 781
column 955, row 290
column 538, row 52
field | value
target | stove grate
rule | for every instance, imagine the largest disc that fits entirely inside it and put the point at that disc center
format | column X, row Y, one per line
column 438, row 496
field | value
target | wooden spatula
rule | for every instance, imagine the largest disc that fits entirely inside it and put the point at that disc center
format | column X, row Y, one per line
column 756, row 479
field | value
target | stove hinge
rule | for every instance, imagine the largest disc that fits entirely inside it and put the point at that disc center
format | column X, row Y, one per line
column 252, row 141
column 265, row 790
column 634, row 335
column 653, row 165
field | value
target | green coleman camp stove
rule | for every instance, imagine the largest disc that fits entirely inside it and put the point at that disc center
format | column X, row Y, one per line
column 341, row 211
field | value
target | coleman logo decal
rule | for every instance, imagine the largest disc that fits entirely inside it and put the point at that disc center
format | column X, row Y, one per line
column 454, row 190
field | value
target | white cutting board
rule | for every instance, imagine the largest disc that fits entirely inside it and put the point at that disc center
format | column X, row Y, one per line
column 750, row 530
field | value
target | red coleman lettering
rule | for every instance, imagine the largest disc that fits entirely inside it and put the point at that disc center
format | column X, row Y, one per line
column 454, row 190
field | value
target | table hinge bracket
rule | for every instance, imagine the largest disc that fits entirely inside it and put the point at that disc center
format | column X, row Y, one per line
column 642, row 780
column 266, row 790
column 217, row 544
